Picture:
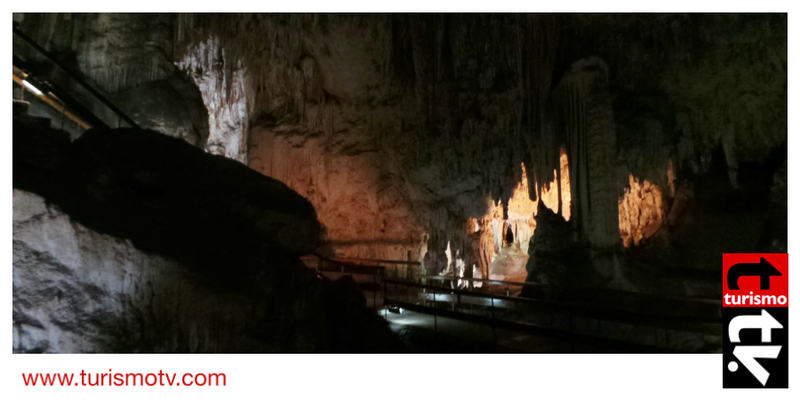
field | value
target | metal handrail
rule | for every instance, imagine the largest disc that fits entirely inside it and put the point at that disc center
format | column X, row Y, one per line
column 50, row 101
column 77, row 78
column 600, row 290
column 379, row 261
column 456, row 278
column 344, row 264
column 618, row 345
column 569, row 310
column 376, row 275
column 571, row 307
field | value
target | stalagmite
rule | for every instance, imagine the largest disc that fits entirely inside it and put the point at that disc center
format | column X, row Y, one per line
column 585, row 123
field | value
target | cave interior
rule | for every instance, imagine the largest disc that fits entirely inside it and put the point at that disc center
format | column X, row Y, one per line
column 365, row 182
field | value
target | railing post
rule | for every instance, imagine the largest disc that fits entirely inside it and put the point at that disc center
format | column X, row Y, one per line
column 454, row 282
column 375, row 292
column 494, row 326
column 435, row 320
column 385, row 310
column 571, row 330
column 424, row 290
column 63, row 112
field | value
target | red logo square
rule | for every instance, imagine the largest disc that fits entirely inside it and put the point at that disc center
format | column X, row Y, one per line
column 755, row 280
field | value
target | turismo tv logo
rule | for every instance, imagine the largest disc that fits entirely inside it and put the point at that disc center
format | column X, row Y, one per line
column 755, row 313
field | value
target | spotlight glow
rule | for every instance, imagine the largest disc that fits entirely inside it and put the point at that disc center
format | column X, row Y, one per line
column 31, row 88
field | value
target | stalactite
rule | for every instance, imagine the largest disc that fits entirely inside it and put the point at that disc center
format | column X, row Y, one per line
column 222, row 85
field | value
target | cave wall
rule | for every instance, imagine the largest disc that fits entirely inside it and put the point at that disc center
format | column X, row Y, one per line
column 128, row 58
column 224, row 96
column 394, row 126
column 436, row 112
column 366, row 212
column 115, row 51
column 79, row 291
column 401, row 128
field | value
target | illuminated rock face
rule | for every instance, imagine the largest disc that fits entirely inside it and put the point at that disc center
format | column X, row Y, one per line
column 640, row 212
column 507, row 259
column 365, row 210
column 550, row 192
column 521, row 213
column 222, row 88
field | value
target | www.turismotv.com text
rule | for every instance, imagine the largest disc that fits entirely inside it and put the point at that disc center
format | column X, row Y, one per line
column 124, row 379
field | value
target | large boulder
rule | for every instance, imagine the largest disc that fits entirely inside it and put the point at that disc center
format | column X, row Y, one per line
column 131, row 241
column 166, row 196
column 79, row 291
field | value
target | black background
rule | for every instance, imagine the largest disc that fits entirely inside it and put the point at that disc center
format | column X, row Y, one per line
column 778, row 368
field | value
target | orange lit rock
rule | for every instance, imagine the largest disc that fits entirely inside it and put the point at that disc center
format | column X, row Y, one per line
column 550, row 196
column 640, row 211
column 506, row 261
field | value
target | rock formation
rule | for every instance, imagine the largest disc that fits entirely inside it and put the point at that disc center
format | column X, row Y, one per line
column 164, row 247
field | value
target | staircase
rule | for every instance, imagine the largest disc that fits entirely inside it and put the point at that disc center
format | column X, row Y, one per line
column 48, row 93
column 21, row 109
